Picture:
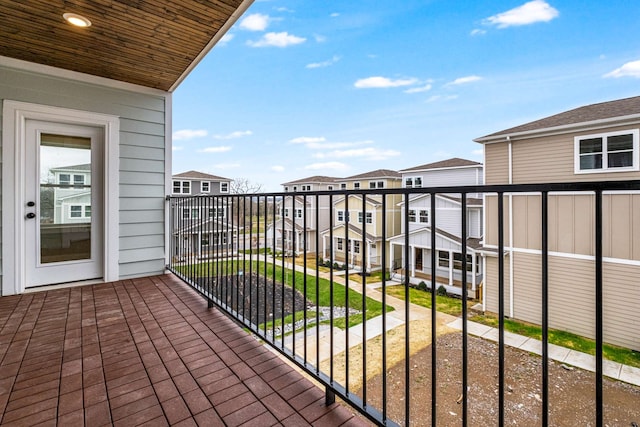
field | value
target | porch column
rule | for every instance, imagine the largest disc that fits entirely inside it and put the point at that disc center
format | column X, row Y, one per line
column 368, row 256
column 199, row 244
column 390, row 255
column 473, row 271
column 412, row 261
column 450, row 268
column 324, row 247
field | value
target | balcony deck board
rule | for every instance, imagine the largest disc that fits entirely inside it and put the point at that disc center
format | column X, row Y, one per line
column 144, row 351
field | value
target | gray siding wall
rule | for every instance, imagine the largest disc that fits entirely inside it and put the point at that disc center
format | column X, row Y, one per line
column 142, row 156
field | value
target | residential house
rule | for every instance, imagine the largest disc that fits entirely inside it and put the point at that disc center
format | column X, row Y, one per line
column 298, row 225
column 99, row 96
column 448, row 226
column 361, row 222
column 202, row 222
column 598, row 142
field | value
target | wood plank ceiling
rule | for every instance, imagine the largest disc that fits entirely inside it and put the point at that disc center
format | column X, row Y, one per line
column 146, row 42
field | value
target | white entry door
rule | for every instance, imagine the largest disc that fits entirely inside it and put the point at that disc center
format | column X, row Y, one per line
column 64, row 198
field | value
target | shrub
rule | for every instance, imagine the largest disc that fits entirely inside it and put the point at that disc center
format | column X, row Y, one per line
column 422, row 286
column 320, row 261
column 336, row 266
column 344, row 267
column 327, row 263
column 442, row 291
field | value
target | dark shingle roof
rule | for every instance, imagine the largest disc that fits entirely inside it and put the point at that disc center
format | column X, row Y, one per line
column 601, row 111
column 313, row 179
column 442, row 164
column 200, row 175
column 380, row 173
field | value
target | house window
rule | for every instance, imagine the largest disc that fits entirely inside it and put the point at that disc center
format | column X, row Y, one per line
column 457, row 261
column 75, row 211
column 339, row 244
column 295, row 188
column 286, row 189
column 424, row 217
column 369, row 216
column 343, row 186
column 412, row 215
column 87, row 211
column 408, row 183
column 194, row 213
column 298, row 213
column 376, row 184
column 286, row 212
column 356, row 185
column 185, row 213
column 181, row 187
column 64, row 179
column 306, row 188
column 78, row 179
column 356, row 246
column 417, row 182
column 340, row 216
column 224, row 187
column 213, row 212
column 443, row 259
column 205, row 187
column 330, row 187
column 413, row 182
column 607, row 152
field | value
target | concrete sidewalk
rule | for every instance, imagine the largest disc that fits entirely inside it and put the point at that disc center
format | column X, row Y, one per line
column 564, row 355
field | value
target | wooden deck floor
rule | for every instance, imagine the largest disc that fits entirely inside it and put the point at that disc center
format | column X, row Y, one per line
column 144, row 352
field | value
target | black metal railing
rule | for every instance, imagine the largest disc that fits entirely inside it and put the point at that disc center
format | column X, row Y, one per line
column 306, row 306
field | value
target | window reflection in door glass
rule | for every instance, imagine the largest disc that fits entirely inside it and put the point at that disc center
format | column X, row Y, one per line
column 65, row 198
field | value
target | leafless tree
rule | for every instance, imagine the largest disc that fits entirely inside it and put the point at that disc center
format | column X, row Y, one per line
column 245, row 186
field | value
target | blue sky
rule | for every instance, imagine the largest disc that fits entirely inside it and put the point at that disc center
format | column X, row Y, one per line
column 302, row 88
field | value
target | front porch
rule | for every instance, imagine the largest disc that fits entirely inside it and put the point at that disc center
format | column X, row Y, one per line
column 145, row 351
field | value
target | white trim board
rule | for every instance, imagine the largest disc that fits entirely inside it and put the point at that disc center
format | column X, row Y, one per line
column 14, row 117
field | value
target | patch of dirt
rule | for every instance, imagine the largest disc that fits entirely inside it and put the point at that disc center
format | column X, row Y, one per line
column 248, row 295
column 571, row 392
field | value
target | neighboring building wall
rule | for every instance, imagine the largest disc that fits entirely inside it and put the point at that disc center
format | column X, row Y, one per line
column 142, row 157
column 571, row 234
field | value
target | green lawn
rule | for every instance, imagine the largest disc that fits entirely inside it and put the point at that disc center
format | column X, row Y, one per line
column 373, row 307
column 444, row 304
column 564, row 339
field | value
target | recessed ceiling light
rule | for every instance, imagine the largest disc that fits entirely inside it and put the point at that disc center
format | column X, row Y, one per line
column 77, row 20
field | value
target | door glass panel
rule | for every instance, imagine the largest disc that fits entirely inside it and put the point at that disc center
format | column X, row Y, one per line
column 65, row 198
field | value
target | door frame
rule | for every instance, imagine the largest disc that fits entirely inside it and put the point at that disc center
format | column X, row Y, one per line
column 14, row 117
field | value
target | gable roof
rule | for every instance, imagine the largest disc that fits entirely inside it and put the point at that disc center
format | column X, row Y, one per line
column 151, row 43
column 318, row 179
column 603, row 111
column 454, row 162
column 379, row 173
column 200, row 176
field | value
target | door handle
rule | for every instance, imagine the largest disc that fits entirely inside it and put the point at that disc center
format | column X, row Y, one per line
column 30, row 215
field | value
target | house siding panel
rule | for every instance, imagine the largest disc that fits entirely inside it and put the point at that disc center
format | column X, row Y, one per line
column 496, row 163
column 142, row 129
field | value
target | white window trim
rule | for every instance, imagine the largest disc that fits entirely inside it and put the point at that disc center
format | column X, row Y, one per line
column 202, row 190
column 14, row 117
column 83, row 211
column 356, row 185
column 636, row 152
column 225, row 184
column 181, row 182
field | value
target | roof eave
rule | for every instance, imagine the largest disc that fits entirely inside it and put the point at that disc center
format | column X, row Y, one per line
column 593, row 124
column 214, row 40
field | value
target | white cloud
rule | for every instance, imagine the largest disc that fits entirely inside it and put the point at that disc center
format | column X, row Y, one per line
column 234, row 135
column 435, row 98
column 334, row 145
column 327, row 166
column 322, row 64
column 630, row 69
column 284, row 9
column 277, row 168
column 255, row 22
column 383, row 82
column 369, row 153
column 528, row 13
column 419, row 89
column 175, row 148
column 307, row 139
column 478, row 152
column 464, row 80
column 185, row 134
column 477, row 32
column 219, row 149
column 227, row 166
column 283, row 39
column 334, row 15
column 320, row 38
column 226, row 39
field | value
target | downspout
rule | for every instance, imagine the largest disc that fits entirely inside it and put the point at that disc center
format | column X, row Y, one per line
column 510, row 229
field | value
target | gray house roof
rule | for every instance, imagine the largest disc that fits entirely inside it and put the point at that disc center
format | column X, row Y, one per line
column 199, row 176
column 443, row 164
column 603, row 111
column 318, row 179
column 380, row 173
